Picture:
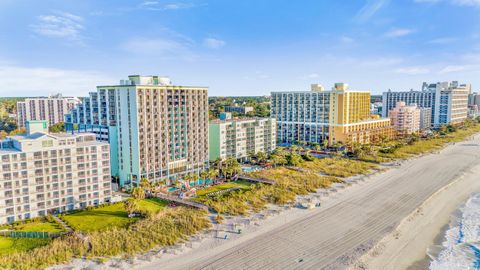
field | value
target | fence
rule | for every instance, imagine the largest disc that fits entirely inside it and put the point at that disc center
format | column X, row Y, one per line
column 182, row 202
column 15, row 234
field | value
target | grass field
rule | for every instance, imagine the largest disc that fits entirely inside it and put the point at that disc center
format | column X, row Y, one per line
column 11, row 245
column 110, row 216
column 39, row 226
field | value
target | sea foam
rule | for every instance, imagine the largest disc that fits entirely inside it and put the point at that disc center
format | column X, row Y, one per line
column 461, row 248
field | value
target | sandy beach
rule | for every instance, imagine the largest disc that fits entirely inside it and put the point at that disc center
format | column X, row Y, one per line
column 386, row 220
column 406, row 247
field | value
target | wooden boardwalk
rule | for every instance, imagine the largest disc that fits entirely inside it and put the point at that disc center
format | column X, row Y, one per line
column 256, row 180
column 182, row 202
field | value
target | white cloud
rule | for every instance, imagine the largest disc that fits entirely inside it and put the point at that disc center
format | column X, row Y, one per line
column 444, row 40
column 213, row 43
column 399, row 32
column 370, row 9
column 157, row 6
column 471, row 3
column 165, row 48
column 346, row 39
column 413, row 70
column 43, row 81
column 451, row 69
column 310, row 76
column 381, row 62
column 466, row 2
column 60, row 25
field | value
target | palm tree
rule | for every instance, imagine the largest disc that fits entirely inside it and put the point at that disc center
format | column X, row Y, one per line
column 204, row 175
column 138, row 193
column 261, row 157
column 131, row 205
column 146, row 185
column 213, row 173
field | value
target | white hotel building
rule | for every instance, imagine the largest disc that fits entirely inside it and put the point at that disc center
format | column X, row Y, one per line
column 42, row 173
column 52, row 109
column 448, row 101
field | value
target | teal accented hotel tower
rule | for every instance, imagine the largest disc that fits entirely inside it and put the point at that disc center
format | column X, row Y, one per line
column 156, row 130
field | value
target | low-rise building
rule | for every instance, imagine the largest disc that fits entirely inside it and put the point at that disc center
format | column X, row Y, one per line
column 405, row 119
column 241, row 137
column 44, row 173
column 239, row 109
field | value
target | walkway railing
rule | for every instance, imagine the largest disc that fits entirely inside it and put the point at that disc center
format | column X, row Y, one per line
column 256, row 180
column 181, row 202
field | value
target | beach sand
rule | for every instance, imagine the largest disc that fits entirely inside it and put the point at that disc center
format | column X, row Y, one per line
column 406, row 247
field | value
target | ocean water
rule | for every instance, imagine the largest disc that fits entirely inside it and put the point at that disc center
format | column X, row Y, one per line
column 461, row 248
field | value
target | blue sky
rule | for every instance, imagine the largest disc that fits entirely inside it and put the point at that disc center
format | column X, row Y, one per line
column 242, row 47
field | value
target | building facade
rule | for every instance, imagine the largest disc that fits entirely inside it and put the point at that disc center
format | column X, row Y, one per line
column 51, row 109
column 448, row 101
column 240, row 138
column 156, row 130
column 46, row 173
column 405, row 119
column 339, row 115
column 425, row 118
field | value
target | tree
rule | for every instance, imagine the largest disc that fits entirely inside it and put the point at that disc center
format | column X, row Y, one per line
column 57, row 128
column 294, row 159
column 261, row 157
column 204, row 175
column 138, row 193
column 146, row 185
column 278, row 159
column 231, row 168
column 213, row 173
column 325, row 144
column 3, row 134
column 131, row 205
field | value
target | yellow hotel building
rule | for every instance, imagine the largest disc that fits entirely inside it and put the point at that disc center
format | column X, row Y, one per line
column 338, row 115
column 350, row 119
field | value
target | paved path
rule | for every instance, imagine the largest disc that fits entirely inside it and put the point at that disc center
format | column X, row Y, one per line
column 337, row 233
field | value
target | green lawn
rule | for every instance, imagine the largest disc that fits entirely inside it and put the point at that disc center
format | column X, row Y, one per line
column 11, row 245
column 38, row 226
column 108, row 216
column 152, row 205
column 240, row 184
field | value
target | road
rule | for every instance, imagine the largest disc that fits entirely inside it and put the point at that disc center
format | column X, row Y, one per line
column 333, row 236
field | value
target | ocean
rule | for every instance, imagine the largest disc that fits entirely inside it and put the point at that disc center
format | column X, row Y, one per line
column 461, row 246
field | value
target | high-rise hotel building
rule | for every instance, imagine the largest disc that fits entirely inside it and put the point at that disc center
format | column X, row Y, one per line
column 156, row 130
column 339, row 115
column 51, row 109
column 44, row 173
column 447, row 100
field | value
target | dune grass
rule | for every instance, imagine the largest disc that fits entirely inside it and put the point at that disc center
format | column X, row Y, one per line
column 339, row 167
column 288, row 184
column 166, row 227
column 428, row 145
